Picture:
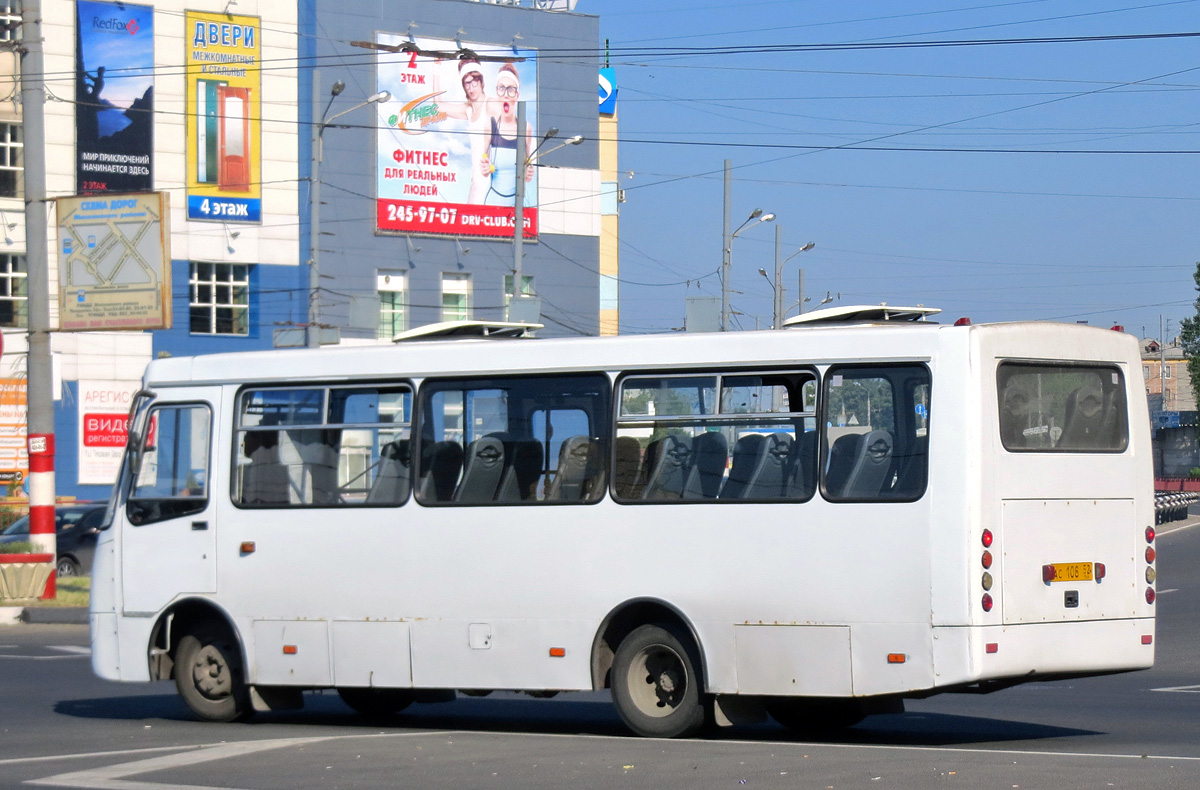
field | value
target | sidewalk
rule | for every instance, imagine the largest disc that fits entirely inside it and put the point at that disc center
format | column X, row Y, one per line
column 44, row 615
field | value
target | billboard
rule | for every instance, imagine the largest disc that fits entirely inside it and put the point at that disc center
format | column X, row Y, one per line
column 446, row 145
column 14, row 456
column 223, row 90
column 103, row 420
column 114, row 97
column 114, row 266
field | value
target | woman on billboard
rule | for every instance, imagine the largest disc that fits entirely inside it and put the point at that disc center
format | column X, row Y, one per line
column 477, row 112
column 500, row 161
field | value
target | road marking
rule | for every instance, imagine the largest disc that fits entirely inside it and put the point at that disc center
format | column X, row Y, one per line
column 44, row 658
column 1181, row 689
column 78, row 650
column 82, row 755
column 113, row 777
column 1171, row 590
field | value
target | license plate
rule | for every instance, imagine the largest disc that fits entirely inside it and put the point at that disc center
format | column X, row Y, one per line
column 1067, row 572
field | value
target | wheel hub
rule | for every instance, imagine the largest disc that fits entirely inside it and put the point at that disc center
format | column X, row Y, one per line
column 210, row 674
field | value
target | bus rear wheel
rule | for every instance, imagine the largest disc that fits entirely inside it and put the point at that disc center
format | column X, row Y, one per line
column 816, row 716
column 208, row 674
column 656, row 683
column 376, row 702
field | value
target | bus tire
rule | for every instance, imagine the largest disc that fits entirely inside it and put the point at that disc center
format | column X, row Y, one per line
column 376, row 702
column 816, row 716
column 209, row 677
column 656, row 683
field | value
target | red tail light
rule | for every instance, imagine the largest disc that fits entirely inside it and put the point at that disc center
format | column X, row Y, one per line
column 987, row 600
column 1149, row 595
column 987, row 559
column 987, row 538
column 1150, row 555
column 1149, row 534
column 1100, row 571
column 992, row 647
column 1048, row 573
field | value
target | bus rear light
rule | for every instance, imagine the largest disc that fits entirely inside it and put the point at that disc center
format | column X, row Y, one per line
column 1048, row 573
column 1150, row 555
column 987, row 602
column 987, row 538
column 290, row 650
column 987, row 580
column 1151, row 575
column 1147, row 639
column 1149, row 534
column 897, row 658
column 987, row 559
column 1149, row 595
column 992, row 647
column 1099, row 571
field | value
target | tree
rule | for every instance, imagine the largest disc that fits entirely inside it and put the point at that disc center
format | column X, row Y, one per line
column 1189, row 338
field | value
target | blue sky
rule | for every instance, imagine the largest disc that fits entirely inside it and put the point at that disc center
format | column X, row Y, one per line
column 1024, row 230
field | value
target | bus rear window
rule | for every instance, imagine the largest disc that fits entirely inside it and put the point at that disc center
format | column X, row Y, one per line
column 1062, row 408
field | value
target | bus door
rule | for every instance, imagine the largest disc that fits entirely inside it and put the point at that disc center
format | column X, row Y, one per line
column 168, row 540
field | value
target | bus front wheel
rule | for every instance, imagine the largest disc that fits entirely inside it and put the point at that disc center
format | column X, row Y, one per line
column 656, row 683
column 208, row 674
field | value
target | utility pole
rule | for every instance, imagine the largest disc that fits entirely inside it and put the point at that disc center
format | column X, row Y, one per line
column 777, row 312
column 519, row 205
column 313, row 333
column 39, row 385
column 726, row 248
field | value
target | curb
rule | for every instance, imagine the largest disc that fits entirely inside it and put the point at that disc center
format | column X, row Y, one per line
column 44, row 615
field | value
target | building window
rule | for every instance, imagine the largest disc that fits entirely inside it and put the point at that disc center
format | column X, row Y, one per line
column 526, row 287
column 220, row 299
column 12, row 161
column 1146, row 372
column 13, row 291
column 456, row 297
column 1166, row 371
column 10, row 21
column 391, row 287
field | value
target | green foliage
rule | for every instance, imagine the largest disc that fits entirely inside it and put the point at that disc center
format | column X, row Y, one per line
column 1194, row 471
column 19, row 547
column 1189, row 338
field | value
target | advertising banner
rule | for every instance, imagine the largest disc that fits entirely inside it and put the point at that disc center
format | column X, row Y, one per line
column 114, row 97
column 223, row 87
column 103, row 424
column 14, row 455
column 447, row 140
column 114, row 269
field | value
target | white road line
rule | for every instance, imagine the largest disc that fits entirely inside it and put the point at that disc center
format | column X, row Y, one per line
column 1182, row 689
column 40, row 658
column 49, row 758
column 1171, row 590
column 113, row 777
column 79, row 650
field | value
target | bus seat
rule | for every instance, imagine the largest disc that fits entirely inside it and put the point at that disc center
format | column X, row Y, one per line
column 800, row 479
column 627, row 464
column 318, row 451
column 667, row 463
column 1083, row 419
column 264, row 479
column 911, row 468
column 391, row 476
column 870, row 463
column 710, row 455
column 482, row 470
column 770, row 472
column 745, row 458
column 441, row 463
column 577, row 466
column 522, row 468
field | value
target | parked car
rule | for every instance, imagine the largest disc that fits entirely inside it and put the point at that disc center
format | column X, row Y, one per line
column 76, row 527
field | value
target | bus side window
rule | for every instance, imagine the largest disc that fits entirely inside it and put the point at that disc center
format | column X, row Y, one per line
column 172, row 479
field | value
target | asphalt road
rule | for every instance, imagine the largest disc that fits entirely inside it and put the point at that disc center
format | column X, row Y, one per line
column 62, row 727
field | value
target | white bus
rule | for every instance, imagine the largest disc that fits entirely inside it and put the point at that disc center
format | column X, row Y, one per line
column 813, row 523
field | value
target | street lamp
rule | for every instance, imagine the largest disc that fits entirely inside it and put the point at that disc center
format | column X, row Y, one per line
column 318, row 142
column 777, row 286
column 755, row 218
column 525, row 158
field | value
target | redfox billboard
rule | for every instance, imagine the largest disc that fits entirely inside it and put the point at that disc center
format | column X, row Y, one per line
column 446, row 148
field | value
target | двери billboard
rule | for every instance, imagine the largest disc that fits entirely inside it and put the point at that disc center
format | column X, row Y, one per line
column 446, row 146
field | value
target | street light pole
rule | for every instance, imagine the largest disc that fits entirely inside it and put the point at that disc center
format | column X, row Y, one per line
column 779, row 289
column 727, row 263
column 313, row 330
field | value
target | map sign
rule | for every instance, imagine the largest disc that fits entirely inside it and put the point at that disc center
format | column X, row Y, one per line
column 113, row 267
